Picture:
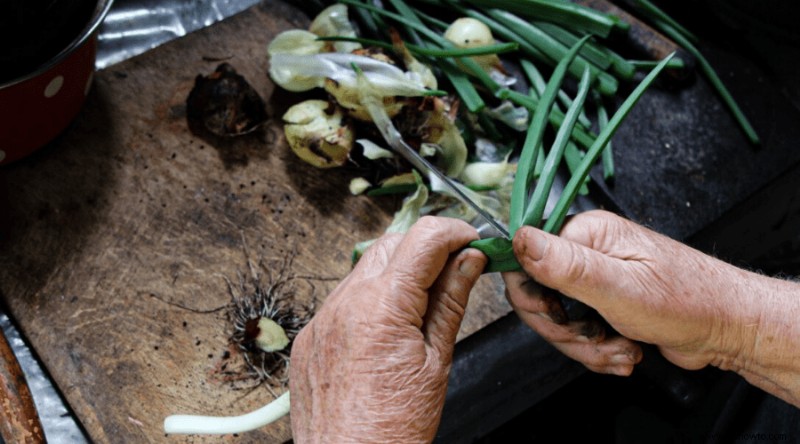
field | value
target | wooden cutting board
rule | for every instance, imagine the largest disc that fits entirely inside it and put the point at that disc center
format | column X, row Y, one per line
column 119, row 239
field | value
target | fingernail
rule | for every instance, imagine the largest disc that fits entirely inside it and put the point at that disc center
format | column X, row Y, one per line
column 534, row 243
column 582, row 338
column 622, row 359
column 621, row 371
column 472, row 266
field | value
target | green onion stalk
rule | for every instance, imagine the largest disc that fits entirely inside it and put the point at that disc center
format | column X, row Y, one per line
column 528, row 211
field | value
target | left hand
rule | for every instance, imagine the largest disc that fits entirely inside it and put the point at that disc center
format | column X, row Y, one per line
column 372, row 365
column 582, row 340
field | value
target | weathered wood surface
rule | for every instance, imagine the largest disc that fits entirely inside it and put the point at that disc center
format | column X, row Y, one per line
column 129, row 216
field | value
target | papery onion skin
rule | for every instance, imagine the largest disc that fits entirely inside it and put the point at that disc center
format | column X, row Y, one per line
column 333, row 21
column 316, row 132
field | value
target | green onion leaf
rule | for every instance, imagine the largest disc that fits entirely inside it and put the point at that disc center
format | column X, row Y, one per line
column 559, row 214
column 535, row 210
column 567, row 14
column 533, row 139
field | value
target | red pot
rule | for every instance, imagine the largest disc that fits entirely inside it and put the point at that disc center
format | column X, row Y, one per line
column 38, row 106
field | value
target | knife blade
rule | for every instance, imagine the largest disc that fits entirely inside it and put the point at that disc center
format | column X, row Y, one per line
column 395, row 140
column 392, row 136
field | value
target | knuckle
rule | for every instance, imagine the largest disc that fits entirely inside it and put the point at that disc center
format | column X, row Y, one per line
column 429, row 223
column 386, row 241
column 382, row 248
column 576, row 264
column 450, row 301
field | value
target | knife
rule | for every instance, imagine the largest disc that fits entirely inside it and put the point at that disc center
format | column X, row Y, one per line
column 399, row 146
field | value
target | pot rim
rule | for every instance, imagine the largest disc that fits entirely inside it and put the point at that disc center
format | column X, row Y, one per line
column 101, row 10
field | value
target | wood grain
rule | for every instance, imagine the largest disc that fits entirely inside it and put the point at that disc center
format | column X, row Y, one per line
column 118, row 240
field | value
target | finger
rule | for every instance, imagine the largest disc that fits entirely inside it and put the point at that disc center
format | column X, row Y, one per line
column 615, row 356
column 602, row 231
column 299, row 378
column 372, row 263
column 572, row 269
column 377, row 256
column 586, row 228
column 584, row 331
column 421, row 255
column 448, row 300
column 525, row 295
column 585, row 342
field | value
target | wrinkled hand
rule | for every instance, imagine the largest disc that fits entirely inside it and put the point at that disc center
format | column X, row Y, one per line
column 372, row 365
column 648, row 287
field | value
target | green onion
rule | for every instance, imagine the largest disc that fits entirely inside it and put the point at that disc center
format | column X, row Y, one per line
column 579, row 134
column 657, row 14
column 599, row 55
column 368, row 22
column 489, row 127
column 538, row 167
column 534, row 137
column 590, row 52
column 500, row 250
column 536, row 79
column 554, row 49
column 572, row 157
column 463, row 86
column 675, row 63
column 441, row 25
column 608, row 153
column 535, row 211
column 686, row 39
column 409, row 14
column 559, row 214
column 501, row 31
column 567, row 14
column 716, row 82
column 525, row 45
column 498, row 48
column 226, row 425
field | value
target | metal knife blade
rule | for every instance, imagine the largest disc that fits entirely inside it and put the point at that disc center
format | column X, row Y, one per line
column 425, row 167
column 395, row 140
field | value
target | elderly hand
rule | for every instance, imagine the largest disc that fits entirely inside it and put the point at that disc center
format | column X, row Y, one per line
column 372, row 365
column 647, row 286
column 697, row 309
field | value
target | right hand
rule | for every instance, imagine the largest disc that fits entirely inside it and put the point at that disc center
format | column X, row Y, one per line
column 650, row 288
column 372, row 366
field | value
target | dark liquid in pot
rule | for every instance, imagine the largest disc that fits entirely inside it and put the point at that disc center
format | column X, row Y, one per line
column 34, row 31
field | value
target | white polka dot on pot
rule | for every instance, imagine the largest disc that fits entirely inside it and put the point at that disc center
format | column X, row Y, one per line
column 54, row 86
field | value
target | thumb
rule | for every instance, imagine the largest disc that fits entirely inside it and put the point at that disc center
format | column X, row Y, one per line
column 448, row 300
column 570, row 268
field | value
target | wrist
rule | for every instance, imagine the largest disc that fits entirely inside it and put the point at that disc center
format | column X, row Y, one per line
column 741, row 318
column 763, row 341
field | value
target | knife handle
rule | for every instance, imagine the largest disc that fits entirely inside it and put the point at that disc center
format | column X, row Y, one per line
column 19, row 421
